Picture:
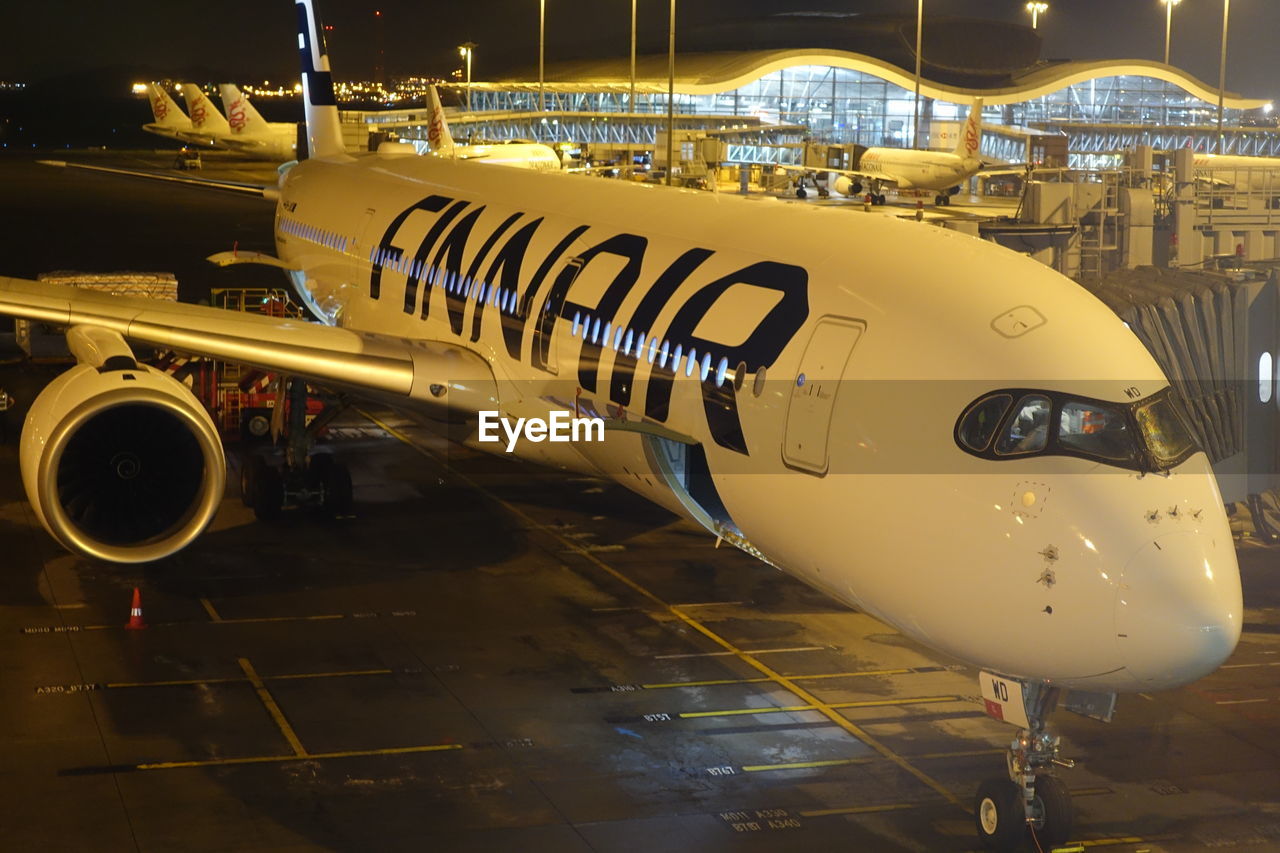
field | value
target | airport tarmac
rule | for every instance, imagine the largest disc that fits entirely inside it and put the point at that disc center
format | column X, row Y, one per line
column 489, row 656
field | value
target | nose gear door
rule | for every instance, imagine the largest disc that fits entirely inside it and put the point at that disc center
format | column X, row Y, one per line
column 814, row 391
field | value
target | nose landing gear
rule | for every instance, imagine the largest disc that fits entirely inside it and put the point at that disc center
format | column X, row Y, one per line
column 1032, row 799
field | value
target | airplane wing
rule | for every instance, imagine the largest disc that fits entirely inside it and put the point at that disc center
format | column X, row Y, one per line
column 387, row 369
column 269, row 193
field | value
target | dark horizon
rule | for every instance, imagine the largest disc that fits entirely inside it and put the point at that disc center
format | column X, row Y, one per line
column 248, row 40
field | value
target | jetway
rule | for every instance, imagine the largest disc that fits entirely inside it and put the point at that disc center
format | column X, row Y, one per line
column 1215, row 336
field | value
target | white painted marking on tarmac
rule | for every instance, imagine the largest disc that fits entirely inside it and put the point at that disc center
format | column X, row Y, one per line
column 1250, row 665
column 743, row 651
column 1240, row 701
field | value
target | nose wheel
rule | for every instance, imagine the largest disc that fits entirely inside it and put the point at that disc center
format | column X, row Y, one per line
column 1031, row 801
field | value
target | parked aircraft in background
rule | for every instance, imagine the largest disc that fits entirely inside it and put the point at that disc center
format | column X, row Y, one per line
column 170, row 120
column 522, row 155
column 748, row 383
column 207, row 124
column 907, row 169
column 251, row 133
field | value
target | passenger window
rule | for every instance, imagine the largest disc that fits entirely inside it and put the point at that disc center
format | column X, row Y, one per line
column 1028, row 430
column 980, row 422
column 1097, row 430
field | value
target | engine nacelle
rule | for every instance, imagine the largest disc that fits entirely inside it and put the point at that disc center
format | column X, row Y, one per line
column 121, row 464
column 846, row 186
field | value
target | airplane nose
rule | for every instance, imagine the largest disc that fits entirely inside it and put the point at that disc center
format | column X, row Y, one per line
column 1178, row 609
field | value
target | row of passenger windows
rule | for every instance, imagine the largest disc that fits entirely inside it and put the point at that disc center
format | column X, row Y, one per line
column 320, row 236
column 625, row 341
column 640, row 346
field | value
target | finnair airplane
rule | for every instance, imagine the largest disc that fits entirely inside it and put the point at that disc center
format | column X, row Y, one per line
column 251, row 133
column 170, row 120
column 905, row 168
column 523, row 155
column 746, row 381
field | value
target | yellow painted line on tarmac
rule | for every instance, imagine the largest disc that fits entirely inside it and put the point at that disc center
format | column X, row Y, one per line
column 882, row 703
column 714, row 683
column 805, row 765
column 209, row 608
column 769, row 709
column 668, row 685
column 760, row 666
column 272, row 708
column 315, row 756
column 889, row 807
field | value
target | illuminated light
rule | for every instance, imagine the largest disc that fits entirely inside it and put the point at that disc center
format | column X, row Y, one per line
column 1018, row 518
column 1088, row 544
column 1208, row 572
column 1105, row 576
column 139, row 88
column 998, row 508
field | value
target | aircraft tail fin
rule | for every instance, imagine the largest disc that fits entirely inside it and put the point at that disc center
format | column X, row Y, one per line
column 204, row 115
column 971, row 132
column 324, row 126
column 166, row 112
column 439, row 140
column 243, row 117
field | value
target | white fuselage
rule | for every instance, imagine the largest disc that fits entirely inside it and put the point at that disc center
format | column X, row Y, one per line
column 925, row 170
column 835, row 459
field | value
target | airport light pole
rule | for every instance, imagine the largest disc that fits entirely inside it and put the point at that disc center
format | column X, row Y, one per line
column 1222, row 72
column 915, row 136
column 465, row 50
column 671, row 90
column 542, row 43
column 1168, row 25
column 631, row 104
column 1035, row 9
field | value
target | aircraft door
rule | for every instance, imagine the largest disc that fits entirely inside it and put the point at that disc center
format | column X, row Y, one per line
column 814, row 390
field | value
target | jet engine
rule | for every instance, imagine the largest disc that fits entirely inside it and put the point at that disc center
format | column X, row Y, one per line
column 121, row 461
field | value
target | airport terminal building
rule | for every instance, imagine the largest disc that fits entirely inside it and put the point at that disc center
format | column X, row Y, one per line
column 851, row 82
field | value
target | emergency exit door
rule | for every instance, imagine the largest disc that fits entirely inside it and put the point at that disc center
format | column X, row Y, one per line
column 814, row 390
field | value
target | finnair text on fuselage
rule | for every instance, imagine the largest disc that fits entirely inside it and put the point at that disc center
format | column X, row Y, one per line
column 559, row 427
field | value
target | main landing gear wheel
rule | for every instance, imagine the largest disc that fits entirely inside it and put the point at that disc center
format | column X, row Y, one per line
column 941, row 200
column 801, row 192
column 880, row 200
column 1000, row 816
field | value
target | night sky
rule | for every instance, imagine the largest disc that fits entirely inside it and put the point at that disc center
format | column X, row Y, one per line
column 247, row 40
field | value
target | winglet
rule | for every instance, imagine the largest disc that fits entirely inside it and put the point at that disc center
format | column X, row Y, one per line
column 439, row 140
column 324, row 127
column 971, row 133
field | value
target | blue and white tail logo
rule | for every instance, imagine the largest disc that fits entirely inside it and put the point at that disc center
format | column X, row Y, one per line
column 324, row 128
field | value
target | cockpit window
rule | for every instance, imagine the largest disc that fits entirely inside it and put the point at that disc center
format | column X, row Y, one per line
column 1146, row 435
column 1163, row 430
column 1028, row 430
column 980, row 422
column 1096, row 430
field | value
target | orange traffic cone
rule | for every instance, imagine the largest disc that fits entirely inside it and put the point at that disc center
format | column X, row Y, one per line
column 135, row 622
